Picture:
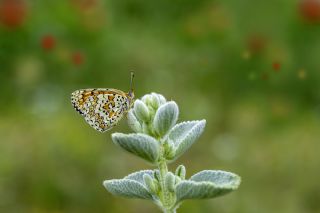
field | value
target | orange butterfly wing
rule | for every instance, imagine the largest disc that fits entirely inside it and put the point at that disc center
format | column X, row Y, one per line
column 101, row 108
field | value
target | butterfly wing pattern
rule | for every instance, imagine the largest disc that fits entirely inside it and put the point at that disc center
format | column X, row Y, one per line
column 102, row 108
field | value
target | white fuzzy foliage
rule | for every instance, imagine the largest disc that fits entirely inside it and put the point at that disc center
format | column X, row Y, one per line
column 158, row 139
column 165, row 118
column 138, row 144
column 207, row 184
column 131, row 186
column 184, row 134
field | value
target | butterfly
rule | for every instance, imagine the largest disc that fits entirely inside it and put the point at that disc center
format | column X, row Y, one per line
column 103, row 108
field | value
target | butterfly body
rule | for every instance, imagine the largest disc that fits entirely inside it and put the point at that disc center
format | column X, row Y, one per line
column 102, row 108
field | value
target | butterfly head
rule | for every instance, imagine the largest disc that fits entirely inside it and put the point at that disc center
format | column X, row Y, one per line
column 130, row 96
column 131, row 91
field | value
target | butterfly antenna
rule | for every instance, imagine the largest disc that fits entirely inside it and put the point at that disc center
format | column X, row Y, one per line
column 131, row 84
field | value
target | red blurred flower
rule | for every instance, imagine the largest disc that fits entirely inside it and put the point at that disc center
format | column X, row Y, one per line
column 48, row 42
column 310, row 10
column 77, row 58
column 276, row 66
column 12, row 12
column 256, row 43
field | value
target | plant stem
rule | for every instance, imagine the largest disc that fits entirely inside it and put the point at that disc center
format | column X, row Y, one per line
column 165, row 196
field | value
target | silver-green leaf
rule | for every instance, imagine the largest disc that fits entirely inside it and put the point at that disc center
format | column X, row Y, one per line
column 133, row 122
column 169, row 181
column 138, row 144
column 184, row 134
column 165, row 117
column 217, row 177
column 138, row 176
column 207, row 184
column 162, row 99
column 132, row 186
column 141, row 111
column 151, row 184
column 181, row 172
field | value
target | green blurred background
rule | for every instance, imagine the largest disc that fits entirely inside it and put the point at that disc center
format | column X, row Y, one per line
column 250, row 68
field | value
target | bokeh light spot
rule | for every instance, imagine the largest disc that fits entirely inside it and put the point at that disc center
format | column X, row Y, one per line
column 302, row 74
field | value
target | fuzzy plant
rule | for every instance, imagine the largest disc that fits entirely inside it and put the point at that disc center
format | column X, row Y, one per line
column 158, row 139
